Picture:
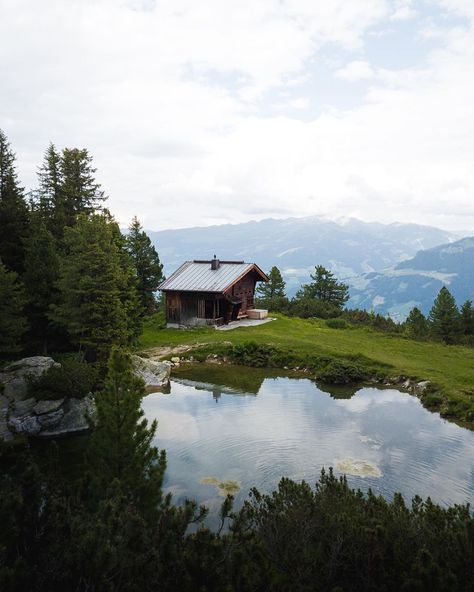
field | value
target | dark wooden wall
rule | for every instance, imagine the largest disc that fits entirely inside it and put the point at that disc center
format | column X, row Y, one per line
column 189, row 308
column 245, row 290
column 185, row 307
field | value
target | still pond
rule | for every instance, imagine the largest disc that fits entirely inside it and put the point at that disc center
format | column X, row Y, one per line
column 226, row 431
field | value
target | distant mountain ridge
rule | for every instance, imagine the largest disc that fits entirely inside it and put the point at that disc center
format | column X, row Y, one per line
column 349, row 247
column 416, row 281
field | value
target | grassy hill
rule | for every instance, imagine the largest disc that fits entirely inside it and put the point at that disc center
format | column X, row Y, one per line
column 451, row 368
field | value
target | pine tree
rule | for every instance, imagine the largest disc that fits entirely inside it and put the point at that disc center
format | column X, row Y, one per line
column 13, row 210
column 271, row 294
column 148, row 267
column 325, row 287
column 40, row 277
column 324, row 296
column 121, row 446
column 80, row 192
column 444, row 317
column 467, row 318
column 48, row 198
column 96, row 288
column 12, row 320
column 130, row 295
column 416, row 325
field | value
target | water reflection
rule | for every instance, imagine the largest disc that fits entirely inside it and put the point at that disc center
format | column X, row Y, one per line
column 336, row 391
column 383, row 439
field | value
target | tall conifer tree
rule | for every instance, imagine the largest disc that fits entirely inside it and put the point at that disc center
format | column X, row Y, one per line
column 48, row 198
column 416, row 325
column 325, row 287
column 80, row 191
column 13, row 210
column 272, row 293
column 122, row 445
column 444, row 317
column 12, row 319
column 324, row 296
column 97, row 290
column 467, row 318
column 147, row 264
column 40, row 277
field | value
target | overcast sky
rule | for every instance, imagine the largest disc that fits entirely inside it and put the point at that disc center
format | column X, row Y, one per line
column 211, row 111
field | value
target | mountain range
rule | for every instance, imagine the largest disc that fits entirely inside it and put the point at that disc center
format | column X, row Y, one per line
column 389, row 267
column 416, row 281
column 349, row 247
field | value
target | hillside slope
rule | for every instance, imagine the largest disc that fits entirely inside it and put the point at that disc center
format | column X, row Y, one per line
column 416, row 282
column 349, row 247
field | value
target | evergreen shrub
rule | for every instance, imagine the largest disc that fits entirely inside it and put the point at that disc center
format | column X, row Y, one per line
column 336, row 323
column 253, row 354
column 73, row 379
column 341, row 372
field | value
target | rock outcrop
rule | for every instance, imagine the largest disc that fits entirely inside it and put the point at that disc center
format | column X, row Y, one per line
column 156, row 375
column 53, row 419
column 22, row 413
column 14, row 378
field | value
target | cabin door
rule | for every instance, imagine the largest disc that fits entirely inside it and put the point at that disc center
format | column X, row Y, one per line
column 235, row 311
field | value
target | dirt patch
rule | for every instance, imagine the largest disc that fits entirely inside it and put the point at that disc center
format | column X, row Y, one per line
column 164, row 351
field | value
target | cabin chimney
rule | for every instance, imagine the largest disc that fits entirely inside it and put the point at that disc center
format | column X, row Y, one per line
column 215, row 263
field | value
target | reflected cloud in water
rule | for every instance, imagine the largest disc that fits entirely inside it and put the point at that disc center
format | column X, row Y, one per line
column 383, row 439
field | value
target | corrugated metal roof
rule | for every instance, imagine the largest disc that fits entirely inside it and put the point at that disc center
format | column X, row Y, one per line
column 197, row 276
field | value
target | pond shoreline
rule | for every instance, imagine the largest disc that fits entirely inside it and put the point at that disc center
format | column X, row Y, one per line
column 229, row 424
column 431, row 395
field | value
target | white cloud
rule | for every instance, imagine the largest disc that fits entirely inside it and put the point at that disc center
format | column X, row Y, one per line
column 354, row 71
column 299, row 103
column 403, row 11
column 218, row 109
column 463, row 8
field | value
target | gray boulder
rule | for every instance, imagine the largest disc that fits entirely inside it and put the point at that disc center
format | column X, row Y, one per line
column 49, row 419
column 78, row 417
column 25, row 407
column 14, row 377
column 5, row 433
column 154, row 374
column 47, row 406
column 42, row 419
column 423, row 386
column 26, row 424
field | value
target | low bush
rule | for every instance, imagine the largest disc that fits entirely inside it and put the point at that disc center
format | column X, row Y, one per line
column 432, row 400
column 73, row 379
column 155, row 321
column 342, row 372
column 251, row 353
column 336, row 323
column 370, row 319
column 311, row 307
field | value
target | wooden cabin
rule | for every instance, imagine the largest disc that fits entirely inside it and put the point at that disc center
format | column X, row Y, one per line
column 210, row 292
